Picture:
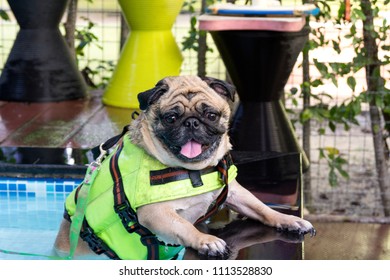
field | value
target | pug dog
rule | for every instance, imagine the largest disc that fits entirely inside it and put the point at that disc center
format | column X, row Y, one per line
column 184, row 123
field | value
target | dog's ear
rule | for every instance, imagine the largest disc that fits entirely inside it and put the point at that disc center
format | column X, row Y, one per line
column 221, row 87
column 150, row 96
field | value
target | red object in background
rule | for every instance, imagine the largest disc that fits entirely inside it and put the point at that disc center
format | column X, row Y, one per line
column 347, row 12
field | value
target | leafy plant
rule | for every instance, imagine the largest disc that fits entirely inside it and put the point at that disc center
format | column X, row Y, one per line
column 85, row 37
column 336, row 164
column 197, row 39
column 190, row 42
column 366, row 43
column 103, row 71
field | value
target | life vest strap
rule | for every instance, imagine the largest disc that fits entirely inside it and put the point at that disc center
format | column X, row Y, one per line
column 110, row 142
column 171, row 174
column 126, row 213
column 95, row 243
column 223, row 167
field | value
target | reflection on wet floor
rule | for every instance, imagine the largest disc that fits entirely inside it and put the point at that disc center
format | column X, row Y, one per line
column 251, row 240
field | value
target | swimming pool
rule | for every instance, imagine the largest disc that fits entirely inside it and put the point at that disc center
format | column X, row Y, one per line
column 30, row 213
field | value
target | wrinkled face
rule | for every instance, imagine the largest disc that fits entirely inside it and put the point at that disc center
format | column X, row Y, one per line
column 189, row 115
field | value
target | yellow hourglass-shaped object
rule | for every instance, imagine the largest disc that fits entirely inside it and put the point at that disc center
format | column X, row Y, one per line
column 150, row 52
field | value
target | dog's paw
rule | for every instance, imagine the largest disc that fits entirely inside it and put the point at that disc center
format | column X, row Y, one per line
column 210, row 246
column 290, row 236
column 296, row 225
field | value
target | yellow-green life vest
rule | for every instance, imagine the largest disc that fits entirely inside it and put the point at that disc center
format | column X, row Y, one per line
column 144, row 182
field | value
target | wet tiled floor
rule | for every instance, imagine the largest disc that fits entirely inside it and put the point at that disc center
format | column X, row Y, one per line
column 71, row 124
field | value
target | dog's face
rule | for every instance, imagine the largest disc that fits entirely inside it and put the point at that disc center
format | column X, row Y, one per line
column 185, row 121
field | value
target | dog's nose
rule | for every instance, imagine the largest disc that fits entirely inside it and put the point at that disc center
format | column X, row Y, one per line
column 192, row 123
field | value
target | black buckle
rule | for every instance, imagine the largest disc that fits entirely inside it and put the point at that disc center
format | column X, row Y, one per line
column 195, row 177
column 127, row 216
column 94, row 242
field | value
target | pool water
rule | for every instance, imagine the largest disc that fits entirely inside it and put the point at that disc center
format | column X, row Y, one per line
column 30, row 214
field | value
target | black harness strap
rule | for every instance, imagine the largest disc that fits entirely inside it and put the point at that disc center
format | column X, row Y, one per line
column 95, row 243
column 112, row 141
column 109, row 143
column 223, row 167
column 127, row 215
column 170, row 174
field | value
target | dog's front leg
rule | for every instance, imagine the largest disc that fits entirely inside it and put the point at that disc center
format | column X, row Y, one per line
column 163, row 220
column 245, row 203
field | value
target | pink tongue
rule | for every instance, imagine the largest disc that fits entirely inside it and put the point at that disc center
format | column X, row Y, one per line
column 191, row 149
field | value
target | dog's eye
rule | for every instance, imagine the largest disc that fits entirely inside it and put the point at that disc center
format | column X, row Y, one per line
column 212, row 116
column 170, row 118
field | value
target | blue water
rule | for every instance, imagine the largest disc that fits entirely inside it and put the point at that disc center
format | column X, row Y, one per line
column 30, row 214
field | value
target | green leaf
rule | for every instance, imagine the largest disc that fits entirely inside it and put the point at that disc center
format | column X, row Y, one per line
column 4, row 15
column 336, row 46
column 339, row 160
column 293, row 90
column 341, row 11
column 321, row 67
column 332, row 126
column 351, row 81
column 306, row 115
column 193, row 21
column 343, row 173
column 332, row 151
column 322, row 154
column 357, row 15
column 334, row 80
column 321, row 131
column 379, row 101
column 386, row 110
column 353, row 30
column 347, row 127
column 356, row 107
column 332, row 178
column 316, row 83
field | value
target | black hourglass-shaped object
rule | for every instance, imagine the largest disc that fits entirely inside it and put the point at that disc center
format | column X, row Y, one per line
column 260, row 63
column 40, row 66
